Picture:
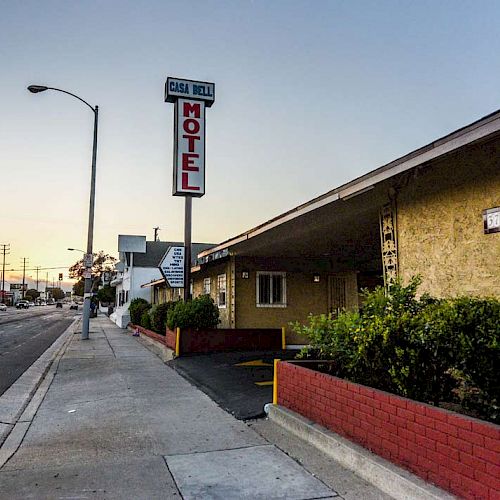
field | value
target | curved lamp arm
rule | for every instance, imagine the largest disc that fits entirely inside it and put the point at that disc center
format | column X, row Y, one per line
column 35, row 89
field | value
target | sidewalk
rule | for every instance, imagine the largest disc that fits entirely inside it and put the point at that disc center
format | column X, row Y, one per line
column 116, row 422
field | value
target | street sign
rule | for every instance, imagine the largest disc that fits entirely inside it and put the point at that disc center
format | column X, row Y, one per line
column 172, row 267
column 87, row 260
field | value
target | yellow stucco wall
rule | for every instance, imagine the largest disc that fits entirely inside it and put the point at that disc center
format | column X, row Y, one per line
column 440, row 225
column 212, row 272
column 303, row 296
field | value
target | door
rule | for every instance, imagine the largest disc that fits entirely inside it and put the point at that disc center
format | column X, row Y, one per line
column 337, row 294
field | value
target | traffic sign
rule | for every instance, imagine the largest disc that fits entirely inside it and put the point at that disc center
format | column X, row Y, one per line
column 87, row 260
column 172, row 267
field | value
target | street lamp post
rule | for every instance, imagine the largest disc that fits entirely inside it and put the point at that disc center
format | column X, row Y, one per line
column 35, row 89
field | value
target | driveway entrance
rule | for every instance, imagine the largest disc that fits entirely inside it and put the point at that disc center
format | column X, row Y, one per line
column 240, row 382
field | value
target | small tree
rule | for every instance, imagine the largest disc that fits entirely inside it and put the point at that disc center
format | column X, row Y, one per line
column 106, row 294
column 79, row 287
column 56, row 293
column 32, row 294
column 103, row 263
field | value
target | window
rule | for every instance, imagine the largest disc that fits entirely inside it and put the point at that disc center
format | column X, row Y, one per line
column 206, row 286
column 271, row 289
column 221, row 290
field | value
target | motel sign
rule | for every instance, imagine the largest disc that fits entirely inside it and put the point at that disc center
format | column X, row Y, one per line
column 190, row 100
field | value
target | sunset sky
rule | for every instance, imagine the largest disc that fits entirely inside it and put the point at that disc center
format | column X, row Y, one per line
column 309, row 95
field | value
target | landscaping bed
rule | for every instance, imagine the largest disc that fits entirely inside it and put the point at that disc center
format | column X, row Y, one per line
column 456, row 452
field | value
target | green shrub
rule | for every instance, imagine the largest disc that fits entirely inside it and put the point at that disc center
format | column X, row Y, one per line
column 477, row 322
column 425, row 349
column 198, row 313
column 145, row 320
column 136, row 309
column 158, row 315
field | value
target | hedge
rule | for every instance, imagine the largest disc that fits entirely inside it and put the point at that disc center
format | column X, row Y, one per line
column 439, row 351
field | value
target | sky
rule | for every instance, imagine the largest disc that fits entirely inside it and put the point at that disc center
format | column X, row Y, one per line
column 309, row 95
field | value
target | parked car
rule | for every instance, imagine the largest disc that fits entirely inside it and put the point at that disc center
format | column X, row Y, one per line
column 31, row 304
column 3, row 307
column 59, row 304
column 23, row 304
column 74, row 306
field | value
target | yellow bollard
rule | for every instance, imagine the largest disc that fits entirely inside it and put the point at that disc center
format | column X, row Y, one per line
column 275, row 382
column 283, row 338
column 177, row 341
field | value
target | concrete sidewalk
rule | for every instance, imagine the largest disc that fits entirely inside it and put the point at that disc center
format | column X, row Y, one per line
column 116, row 422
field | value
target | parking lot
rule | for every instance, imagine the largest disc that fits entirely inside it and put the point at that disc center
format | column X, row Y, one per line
column 240, row 382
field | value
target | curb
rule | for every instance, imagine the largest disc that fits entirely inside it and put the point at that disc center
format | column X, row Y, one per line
column 19, row 403
column 386, row 476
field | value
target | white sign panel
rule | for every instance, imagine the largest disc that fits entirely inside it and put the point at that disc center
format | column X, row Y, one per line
column 87, row 260
column 491, row 218
column 189, row 148
column 131, row 243
column 172, row 267
column 189, row 89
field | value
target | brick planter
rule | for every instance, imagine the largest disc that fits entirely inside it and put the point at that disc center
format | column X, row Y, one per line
column 227, row 339
column 458, row 453
column 216, row 339
column 166, row 340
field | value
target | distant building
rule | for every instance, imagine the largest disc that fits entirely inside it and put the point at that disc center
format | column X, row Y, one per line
column 138, row 269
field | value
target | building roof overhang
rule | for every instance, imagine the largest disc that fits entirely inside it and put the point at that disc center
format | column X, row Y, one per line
column 482, row 129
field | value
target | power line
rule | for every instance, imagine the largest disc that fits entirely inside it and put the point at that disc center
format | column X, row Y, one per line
column 39, row 268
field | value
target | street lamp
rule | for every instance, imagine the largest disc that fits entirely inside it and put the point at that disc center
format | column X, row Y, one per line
column 76, row 250
column 35, row 89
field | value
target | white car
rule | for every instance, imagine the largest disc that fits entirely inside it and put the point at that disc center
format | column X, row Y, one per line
column 3, row 307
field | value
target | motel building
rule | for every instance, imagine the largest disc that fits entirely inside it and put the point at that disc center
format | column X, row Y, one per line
column 434, row 212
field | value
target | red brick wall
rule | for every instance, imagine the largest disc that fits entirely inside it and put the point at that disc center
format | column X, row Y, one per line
column 170, row 337
column 227, row 339
column 149, row 333
column 458, row 453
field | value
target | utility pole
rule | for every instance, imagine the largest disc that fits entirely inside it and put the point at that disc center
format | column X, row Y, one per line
column 5, row 249
column 24, row 273
column 156, row 229
column 187, row 247
column 37, row 268
column 46, row 285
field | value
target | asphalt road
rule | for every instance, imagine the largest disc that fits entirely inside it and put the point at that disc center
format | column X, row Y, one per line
column 24, row 335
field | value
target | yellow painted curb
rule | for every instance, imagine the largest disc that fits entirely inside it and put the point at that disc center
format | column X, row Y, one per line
column 275, row 382
column 177, row 341
column 255, row 362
